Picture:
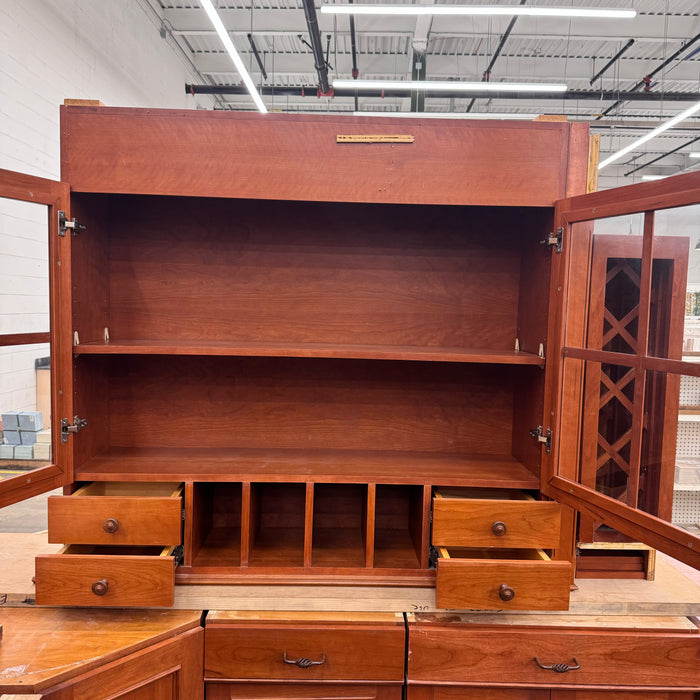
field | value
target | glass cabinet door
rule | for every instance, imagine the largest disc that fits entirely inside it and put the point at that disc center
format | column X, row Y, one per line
column 35, row 359
column 627, row 449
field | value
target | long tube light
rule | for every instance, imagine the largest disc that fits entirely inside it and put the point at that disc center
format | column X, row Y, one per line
column 446, row 86
column 489, row 10
column 449, row 115
column 652, row 134
column 235, row 57
column 694, row 154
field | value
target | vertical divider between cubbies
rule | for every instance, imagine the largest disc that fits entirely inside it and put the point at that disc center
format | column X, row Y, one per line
column 188, row 540
column 370, row 524
column 248, row 523
column 419, row 526
column 309, row 525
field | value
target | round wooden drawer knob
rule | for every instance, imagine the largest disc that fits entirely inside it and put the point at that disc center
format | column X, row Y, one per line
column 111, row 525
column 499, row 528
column 505, row 592
column 100, row 587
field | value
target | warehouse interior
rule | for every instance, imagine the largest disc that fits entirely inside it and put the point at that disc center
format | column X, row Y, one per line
column 216, row 87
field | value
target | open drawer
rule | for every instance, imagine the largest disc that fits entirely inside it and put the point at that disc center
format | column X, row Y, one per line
column 502, row 579
column 118, row 513
column 494, row 518
column 84, row 575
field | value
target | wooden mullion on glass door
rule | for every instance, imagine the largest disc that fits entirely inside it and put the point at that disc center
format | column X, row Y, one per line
column 55, row 197
column 640, row 372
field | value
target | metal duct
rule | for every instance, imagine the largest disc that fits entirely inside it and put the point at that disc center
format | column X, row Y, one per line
column 310, row 91
column 315, row 37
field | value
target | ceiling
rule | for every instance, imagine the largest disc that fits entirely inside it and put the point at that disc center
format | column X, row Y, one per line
column 666, row 47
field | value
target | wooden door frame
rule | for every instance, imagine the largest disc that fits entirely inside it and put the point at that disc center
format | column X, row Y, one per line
column 56, row 197
column 568, row 332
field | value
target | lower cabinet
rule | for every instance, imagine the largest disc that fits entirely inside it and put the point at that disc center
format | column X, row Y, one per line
column 95, row 654
column 461, row 656
column 304, row 655
column 485, row 693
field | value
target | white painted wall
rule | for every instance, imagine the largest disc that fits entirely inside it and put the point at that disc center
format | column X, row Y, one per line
column 109, row 50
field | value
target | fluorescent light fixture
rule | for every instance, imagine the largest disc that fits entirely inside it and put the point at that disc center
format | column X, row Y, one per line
column 445, row 85
column 694, row 154
column 654, row 177
column 652, row 134
column 228, row 45
column 471, row 10
column 448, row 115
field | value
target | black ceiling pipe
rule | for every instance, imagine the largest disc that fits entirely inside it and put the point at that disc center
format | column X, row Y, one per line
column 316, row 48
column 253, row 46
column 310, row 91
column 615, row 58
column 642, row 82
column 663, row 155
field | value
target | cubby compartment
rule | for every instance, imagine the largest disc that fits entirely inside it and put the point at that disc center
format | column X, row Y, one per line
column 276, row 536
column 400, row 523
column 216, row 525
column 340, row 525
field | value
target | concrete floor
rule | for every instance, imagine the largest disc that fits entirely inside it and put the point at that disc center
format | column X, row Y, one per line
column 25, row 516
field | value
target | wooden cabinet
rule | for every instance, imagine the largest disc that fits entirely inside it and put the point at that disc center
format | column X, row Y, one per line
column 458, row 656
column 315, row 655
column 311, row 341
column 89, row 654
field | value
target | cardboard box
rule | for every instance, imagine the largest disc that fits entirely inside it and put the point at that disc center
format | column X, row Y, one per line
column 24, row 452
column 42, row 451
column 11, row 437
column 7, row 451
column 10, row 420
column 30, row 420
column 27, row 437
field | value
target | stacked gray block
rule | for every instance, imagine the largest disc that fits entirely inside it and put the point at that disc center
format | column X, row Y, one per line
column 20, row 429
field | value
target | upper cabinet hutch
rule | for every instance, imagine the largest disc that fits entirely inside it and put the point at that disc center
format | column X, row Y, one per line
column 337, row 350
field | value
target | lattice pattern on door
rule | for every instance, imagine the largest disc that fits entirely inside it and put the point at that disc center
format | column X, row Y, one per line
column 621, row 456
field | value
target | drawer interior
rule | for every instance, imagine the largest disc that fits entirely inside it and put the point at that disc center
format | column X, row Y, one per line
column 129, row 489
column 487, row 554
column 117, row 550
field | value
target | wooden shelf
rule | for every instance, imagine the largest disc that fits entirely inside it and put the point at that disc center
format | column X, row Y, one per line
column 327, row 350
column 301, row 466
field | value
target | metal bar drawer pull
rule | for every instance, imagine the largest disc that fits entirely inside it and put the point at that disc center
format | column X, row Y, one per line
column 559, row 668
column 304, row 662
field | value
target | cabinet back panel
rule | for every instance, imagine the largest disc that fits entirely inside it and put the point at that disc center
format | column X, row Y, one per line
column 243, row 270
column 290, row 403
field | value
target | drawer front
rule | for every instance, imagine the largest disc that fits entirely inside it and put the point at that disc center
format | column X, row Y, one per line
column 469, row 522
column 478, row 584
column 359, row 653
column 474, row 654
column 118, row 520
column 302, row 691
column 105, row 580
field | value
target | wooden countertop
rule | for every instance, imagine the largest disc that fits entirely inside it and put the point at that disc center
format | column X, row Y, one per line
column 41, row 647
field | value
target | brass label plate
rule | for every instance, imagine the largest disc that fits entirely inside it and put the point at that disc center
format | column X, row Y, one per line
column 375, row 138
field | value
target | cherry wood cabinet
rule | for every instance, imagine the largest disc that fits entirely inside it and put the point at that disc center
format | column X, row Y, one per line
column 88, row 654
column 458, row 657
column 280, row 357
